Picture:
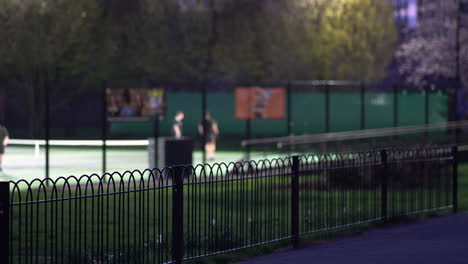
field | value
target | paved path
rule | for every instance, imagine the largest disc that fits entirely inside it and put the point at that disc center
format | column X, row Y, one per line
column 441, row 240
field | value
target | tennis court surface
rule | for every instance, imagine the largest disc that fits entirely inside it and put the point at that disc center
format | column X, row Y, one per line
column 437, row 240
column 28, row 162
column 25, row 159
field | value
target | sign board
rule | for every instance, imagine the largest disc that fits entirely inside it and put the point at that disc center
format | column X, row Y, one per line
column 135, row 103
column 258, row 102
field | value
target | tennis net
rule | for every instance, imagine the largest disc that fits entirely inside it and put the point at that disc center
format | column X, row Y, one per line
column 433, row 134
column 25, row 158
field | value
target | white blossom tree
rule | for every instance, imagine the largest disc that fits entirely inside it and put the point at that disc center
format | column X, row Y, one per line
column 429, row 51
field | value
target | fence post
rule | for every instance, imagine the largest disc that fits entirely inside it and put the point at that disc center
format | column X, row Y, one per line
column 4, row 222
column 363, row 106
column 395, row 106
column 455, row 178
column 289, row 111
column 177, row 214
column 295, row 201
column 327, row 109
column 47, row 127
column 104, row 128
column 385, row 176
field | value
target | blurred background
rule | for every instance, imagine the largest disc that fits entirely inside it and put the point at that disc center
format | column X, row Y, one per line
column 336, row 65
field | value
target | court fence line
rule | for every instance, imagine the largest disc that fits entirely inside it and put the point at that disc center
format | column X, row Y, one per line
column 184, row 213
column 356, row 134
column 416, row 135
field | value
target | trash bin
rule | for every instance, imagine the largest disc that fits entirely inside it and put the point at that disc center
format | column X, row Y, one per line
column 170, row 151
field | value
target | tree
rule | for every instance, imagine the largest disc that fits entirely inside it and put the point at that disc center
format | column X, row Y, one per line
column 43, row 40
column 352, row 39
column 191, row 42
column 428, row 55
column 309, row 39
column 244, row 48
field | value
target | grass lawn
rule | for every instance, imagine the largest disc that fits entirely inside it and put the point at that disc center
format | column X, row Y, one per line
column 463, row 187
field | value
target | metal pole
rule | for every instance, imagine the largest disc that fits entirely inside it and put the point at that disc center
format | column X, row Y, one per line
column 47, row 126
column 395, row 106
column 204, row 109
column 455, row 178
column 4, row 222
column 327, row 109
column 248, row 124
column 363, row 106
column 177, row 214
column 295, row 201
column 2, row 104
column 289, row 113
column 104, row 127
column 426, row 110
column 248, row 136
column 457, row 65
column 156, row 136
column 426, row 106
column 384, row 205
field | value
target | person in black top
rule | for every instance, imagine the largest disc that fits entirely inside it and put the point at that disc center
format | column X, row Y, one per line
column 4, row 137
column 177, row 125
column 208, row 128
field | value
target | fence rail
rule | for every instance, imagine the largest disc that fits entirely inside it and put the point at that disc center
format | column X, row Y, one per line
column 185, row 212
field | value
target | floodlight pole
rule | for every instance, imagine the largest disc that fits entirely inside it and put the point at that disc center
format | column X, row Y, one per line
column 203, row 124
column 395, row 105
column 47, row 124
column 426, row 105
column 156, row 136
column 104, row 127
column 2, row 103
column 248, row 122
column 289, row 113
column 395, row 109
column 327, row 109
column 363, row 106
column 426, row 109
column 457, row 66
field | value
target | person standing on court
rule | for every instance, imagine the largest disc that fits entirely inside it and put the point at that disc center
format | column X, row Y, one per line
column 208, row 128
column 4, row 138
column 177, row 125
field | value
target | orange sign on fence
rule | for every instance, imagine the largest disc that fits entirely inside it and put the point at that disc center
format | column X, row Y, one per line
column 256, row 102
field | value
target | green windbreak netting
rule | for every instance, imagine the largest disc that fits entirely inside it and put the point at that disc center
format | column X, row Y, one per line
column 438, row 108
column 411, row 109
column 307, row 112
column 379, row 110
column 345, row 109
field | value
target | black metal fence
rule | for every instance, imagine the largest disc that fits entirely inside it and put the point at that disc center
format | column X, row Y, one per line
column 185, row 212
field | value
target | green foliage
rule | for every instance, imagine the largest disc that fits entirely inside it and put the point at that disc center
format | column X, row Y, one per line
column 352, row 39
column 44, row 39
column 45, row 36
column 169, row 41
